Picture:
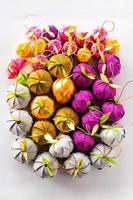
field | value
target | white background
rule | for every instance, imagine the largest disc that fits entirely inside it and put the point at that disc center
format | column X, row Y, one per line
column 18, row 181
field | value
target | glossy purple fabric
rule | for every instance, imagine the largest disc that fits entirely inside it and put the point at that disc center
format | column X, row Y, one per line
column 103, row 91
column 52, row 29
column 80, row 100
column 90, row 119
column 79, row 78
column 82, row 141
column 113, row 65
column 116, row 111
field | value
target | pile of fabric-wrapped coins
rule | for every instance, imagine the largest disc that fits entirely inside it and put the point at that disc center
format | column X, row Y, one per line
column 63, row 108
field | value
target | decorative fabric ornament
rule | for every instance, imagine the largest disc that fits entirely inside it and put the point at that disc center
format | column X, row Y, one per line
column 38, row 62
column 83, row 75
column 112, row 136
column 18, row 96
column 96, row 52
column 103, row 91
column 83, row 55
column 19, row 122
column 24, row 150
column 24, row 50
column 112, row 46
column 38, row 46
column 82, row 141
column 15, row 66
column 50, row 32
column 69, row 48
column 116, row 111
column 63, row 90
column 28, row 68
column 40, row 81
column 82, row 100
column 45, row 165
column 54, row 46
column 91, row 119
column 33, row 33
column 66, row 32
column 83, row 38
column 77, row 164
column 41, row 128
column 42, row 107
column 103, row 156
column 100, row 33
column 62, row 147
column 112, row 65
column 66, row 119
column 59, row 65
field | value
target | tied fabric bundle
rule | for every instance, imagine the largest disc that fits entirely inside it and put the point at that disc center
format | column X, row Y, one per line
column 116, row 111
column 82, row 100
column 64, row 107
column 103, row 91
column 113, row 65
column 15, row 66
column 83, row 142
column 81, row 74
column 91, row 119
